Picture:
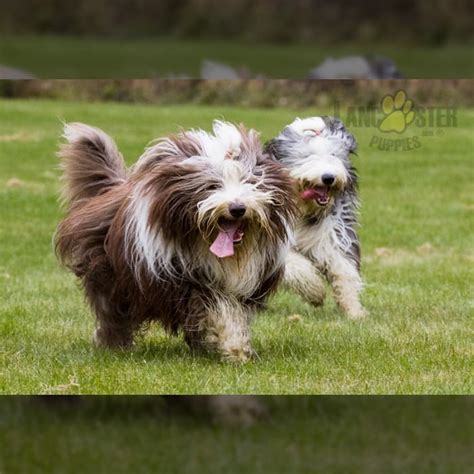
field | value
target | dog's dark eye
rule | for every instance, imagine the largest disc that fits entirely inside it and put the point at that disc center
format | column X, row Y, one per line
column 212, row 187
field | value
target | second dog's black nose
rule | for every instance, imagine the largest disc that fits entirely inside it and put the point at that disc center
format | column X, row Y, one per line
column 328, row 179
column 237, row 209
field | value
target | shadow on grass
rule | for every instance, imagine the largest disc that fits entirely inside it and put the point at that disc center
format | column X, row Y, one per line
column 174, row 348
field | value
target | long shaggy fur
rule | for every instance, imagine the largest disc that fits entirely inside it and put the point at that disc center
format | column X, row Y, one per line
column 139, row 239
column 91, row 163
column 317, row 150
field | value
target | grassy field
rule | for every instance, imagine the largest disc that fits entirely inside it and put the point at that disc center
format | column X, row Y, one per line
column 330, row 435
column 417, row 261
column 68, row 57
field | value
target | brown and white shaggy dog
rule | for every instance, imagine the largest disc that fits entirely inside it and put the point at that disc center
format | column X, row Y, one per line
column 194, row 235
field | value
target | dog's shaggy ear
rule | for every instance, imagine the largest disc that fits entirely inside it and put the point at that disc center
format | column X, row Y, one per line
column 336, row 127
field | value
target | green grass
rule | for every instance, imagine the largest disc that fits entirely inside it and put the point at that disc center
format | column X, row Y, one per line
column 69, row 57
column 330, row 435
column 417, row 261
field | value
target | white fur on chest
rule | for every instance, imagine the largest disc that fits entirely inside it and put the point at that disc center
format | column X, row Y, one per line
column 241, row 277
column 321, row 242
column 316, row 241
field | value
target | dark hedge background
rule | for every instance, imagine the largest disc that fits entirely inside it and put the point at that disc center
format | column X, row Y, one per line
column 431, row 22
column 253, row 93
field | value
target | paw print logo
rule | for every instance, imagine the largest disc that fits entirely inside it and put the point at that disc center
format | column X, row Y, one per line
column 398, row 113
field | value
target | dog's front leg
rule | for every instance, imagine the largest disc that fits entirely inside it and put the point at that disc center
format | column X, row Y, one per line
column 302, row 276
column 226, row 329
column 219, row 323
column 346, row 283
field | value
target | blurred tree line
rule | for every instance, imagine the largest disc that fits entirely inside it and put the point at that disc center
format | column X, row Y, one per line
column 247, row 93
column 424, row 21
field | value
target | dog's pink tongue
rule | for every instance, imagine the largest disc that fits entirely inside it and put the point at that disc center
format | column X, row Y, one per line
column 223, row 246
column 315, row 193
column 309, row 194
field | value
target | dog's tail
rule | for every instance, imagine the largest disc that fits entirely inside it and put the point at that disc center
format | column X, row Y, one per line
column 91, row 163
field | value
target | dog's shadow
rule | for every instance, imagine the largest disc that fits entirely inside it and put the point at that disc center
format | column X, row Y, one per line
column 265, row 352
column 155, row 346
column 152, row 350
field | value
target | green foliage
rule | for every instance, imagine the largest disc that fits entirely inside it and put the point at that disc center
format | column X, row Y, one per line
column 276, row 20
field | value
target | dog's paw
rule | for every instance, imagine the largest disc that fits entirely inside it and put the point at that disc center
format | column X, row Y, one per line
column 238, row 354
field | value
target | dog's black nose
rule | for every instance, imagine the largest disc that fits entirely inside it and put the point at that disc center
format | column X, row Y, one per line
column 237, row 209
column 328, row 179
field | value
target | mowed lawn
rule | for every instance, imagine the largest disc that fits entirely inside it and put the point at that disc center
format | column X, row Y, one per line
column 330, row 435
column 417, row 262
column 72, row 57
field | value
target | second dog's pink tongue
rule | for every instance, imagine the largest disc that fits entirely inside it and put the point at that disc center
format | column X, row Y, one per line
column 223, row 246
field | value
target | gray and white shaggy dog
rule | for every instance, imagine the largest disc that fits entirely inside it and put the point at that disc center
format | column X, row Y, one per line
column 194, row 235
column 317, row 152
